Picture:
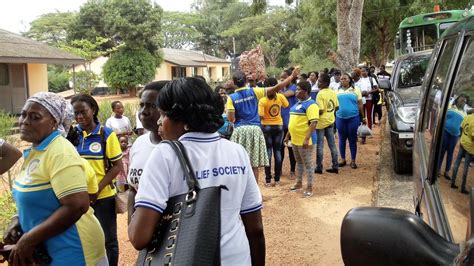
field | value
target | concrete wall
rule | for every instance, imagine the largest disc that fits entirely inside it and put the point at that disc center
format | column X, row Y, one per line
column 37, row 78
column 218, row 71
column 163, row 72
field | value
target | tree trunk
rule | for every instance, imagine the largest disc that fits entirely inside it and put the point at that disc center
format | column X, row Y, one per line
column 349, row 19
column 132, row 91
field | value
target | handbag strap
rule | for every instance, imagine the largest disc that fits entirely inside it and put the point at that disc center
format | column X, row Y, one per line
column 183, row 158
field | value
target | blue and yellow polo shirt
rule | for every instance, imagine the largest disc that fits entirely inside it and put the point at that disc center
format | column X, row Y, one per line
column 348, row 102
column 90, row 148
column 301, row 115
column 454, row 118
column 327, row 102
column 51, row 171
column 244, row 102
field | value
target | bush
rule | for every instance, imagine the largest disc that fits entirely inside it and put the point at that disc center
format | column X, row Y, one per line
column 86, row 81
column 8, row 207
column 129, row 68
column 58, row 81
column 105, row 111
column 7, row 204
column 6, row 124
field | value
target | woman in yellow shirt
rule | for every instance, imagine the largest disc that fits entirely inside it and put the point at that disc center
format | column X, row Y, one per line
column 272, row 126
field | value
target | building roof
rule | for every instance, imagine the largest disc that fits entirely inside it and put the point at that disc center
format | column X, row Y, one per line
column 18, row 49
column 186, row 58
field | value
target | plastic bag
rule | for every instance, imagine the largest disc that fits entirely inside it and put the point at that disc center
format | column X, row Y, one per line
column 364, row 131
column 121, row 202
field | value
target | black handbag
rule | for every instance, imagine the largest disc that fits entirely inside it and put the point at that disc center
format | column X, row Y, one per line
column 189, row 230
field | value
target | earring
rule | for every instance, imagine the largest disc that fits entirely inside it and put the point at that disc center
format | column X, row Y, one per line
column 186, row 127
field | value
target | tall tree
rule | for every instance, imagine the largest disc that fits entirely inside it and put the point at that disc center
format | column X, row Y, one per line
column 133, row 23
column 274, row 31
column 179, row 29
column 349, row 20
column 317, row 34
column 51, row 28
column 216, row 16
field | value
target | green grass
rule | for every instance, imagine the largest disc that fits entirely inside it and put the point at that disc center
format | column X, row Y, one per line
column 7, row 205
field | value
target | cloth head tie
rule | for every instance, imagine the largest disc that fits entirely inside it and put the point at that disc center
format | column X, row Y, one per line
column 57, row 106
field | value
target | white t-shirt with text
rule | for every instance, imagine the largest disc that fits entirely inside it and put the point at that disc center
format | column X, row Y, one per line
column 216, row 161
column 139, row 154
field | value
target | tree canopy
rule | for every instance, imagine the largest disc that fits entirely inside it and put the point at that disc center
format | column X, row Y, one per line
column 311, row 33
column 129, row 67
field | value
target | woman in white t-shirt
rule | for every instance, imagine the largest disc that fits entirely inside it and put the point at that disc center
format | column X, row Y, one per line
column 144, row 145
column 119, row 123
column 192, row 112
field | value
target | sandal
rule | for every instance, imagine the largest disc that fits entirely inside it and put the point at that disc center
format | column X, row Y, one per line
column 308, row 192
column 353, row 165
column 296, row 187
column 343, row 163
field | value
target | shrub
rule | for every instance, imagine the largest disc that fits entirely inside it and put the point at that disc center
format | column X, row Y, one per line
column 129, row 68
column 86, row 81
column 8, row 207
column 58, row 81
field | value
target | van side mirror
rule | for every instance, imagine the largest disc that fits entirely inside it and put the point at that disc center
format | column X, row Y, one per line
column 385, row 236
column 385, row 84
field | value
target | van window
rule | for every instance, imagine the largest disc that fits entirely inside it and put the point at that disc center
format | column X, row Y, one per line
column 437, row 90
column 456, row 142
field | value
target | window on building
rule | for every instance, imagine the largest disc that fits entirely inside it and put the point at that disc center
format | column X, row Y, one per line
column 178, row 72
column 4, row 75
column 225, row 72
column 212, row 73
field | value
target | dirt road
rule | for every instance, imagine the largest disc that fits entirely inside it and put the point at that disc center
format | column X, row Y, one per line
column 300, row 231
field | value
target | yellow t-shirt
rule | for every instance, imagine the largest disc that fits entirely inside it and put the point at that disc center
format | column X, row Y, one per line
column 327, row 102
column 467, row 135
column 269, row 109
column 301, row 115
column 51, row 171
column 92, row 185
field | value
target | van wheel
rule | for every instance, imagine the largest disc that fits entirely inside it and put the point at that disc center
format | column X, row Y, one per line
column 402, row 164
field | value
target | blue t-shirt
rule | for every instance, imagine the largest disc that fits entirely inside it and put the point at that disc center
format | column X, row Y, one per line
column 454, row 118
column 348, row 102
column 244, row 102
column 285, row 112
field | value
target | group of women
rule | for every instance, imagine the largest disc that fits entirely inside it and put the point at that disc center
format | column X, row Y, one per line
column 257, row 111
column 77, row 225
column 65, row 193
